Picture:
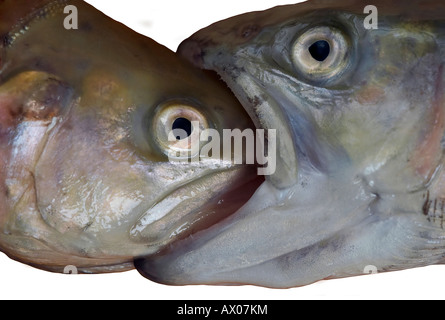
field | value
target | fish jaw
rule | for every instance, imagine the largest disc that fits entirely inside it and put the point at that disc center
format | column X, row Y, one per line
column 362, row 195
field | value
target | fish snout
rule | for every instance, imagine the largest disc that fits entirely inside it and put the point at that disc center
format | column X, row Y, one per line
column 192, row 51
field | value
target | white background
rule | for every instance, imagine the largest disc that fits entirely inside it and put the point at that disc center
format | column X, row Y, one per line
column 169, row 22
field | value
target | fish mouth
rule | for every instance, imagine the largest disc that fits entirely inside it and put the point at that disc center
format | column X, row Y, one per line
column 185, row 212
column 194, row 207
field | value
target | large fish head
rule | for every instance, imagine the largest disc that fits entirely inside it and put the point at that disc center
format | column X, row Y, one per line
column 357, row 100
column 99, row 130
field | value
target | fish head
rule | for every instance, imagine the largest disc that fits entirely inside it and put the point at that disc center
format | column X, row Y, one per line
column 356, row 96
column 101, row 132
column 318, row 68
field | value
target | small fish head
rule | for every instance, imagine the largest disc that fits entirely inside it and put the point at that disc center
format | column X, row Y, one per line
column 102, row 130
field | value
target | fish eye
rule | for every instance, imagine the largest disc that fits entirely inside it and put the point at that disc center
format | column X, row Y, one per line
column 321, row 53
column 178, row 127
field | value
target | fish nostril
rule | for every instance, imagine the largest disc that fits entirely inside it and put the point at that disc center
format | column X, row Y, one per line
column 249, row 31
column 192, row 51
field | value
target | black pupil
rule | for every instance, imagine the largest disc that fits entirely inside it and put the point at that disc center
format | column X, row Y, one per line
column 320, row 50
column 182, row 124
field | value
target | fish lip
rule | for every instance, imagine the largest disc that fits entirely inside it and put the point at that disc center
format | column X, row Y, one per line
column 202, row 214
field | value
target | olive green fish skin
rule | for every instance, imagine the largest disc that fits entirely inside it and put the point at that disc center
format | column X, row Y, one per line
column 359, row 178
column 84, row 174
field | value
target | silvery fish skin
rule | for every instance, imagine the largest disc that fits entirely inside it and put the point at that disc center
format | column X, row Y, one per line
column 360, row 179
column 85, row 113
